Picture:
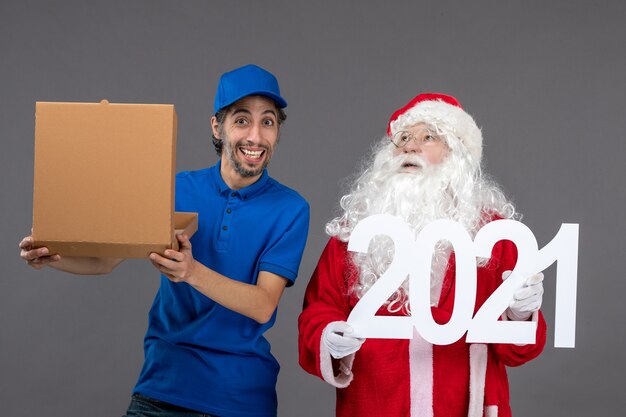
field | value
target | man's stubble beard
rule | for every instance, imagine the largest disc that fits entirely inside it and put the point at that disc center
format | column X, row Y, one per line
column 237, row 165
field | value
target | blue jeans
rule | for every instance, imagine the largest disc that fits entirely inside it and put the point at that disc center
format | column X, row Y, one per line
column 141, row 406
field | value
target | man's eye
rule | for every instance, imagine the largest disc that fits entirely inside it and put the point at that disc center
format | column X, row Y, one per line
column 405, row 138
column 268, row 122
column 240, row 121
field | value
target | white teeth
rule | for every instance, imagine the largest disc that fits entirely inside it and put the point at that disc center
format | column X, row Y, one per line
column 252, row 154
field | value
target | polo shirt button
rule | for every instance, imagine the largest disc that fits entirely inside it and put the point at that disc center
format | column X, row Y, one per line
column 225, row 227
column 228, row 211
column 232, row 194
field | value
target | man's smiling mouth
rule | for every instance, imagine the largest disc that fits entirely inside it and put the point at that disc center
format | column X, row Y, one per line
column 252, row 155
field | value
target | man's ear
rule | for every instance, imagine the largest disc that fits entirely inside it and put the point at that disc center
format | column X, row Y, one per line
column 215, row 128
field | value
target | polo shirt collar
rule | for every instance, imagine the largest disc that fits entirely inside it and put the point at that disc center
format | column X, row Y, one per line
column 244, row 192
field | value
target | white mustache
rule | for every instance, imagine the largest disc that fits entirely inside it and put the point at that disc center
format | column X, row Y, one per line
column 396, row 163
column 414, row 160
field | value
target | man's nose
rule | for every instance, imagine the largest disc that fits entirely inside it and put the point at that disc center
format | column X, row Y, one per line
column 254, row 134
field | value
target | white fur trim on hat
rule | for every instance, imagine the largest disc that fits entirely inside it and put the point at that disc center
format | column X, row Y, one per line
column 451, row 120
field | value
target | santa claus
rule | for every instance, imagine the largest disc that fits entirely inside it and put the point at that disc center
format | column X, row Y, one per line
column 427, row 167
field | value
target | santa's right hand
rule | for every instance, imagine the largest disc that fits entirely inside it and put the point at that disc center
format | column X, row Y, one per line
column 337, row 337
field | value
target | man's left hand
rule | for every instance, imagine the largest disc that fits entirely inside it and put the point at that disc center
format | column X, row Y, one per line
column 527, row 299
column 179, row 265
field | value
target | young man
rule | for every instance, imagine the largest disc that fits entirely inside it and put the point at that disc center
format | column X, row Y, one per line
column 204, row 348
column 426, row 168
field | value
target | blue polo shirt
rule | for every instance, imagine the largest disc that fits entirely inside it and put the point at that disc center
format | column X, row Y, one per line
column 198, row 354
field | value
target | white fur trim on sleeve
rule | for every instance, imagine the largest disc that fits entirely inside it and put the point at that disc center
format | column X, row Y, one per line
column 344, row 377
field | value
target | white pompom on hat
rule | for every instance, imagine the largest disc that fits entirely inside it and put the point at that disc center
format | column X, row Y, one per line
column 443, row 112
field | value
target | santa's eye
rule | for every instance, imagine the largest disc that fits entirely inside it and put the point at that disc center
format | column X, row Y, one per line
column 402, row 138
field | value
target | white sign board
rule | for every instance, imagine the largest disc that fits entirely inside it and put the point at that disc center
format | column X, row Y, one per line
column 413, row 258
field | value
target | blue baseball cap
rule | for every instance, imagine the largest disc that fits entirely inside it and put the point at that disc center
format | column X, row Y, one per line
column 246, row 81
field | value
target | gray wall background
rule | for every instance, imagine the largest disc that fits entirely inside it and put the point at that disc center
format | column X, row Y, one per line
column 543, row 79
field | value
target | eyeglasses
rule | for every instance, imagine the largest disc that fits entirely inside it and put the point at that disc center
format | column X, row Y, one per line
column 424, row 137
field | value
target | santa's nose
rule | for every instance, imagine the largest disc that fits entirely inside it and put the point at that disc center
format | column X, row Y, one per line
column 413, row 146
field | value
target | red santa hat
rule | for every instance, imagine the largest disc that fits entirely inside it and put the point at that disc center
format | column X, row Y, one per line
column 443, row 112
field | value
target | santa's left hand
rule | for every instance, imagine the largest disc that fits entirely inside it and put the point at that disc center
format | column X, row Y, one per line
column 338, row 338
column 527, row 299
column 179, row 265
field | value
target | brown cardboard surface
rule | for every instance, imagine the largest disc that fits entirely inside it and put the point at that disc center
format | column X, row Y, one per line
column 185, row 224
column 104, row 179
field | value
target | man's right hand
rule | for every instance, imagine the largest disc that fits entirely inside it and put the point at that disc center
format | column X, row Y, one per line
column 337, row 337
column 40, row 257
column 37, row 258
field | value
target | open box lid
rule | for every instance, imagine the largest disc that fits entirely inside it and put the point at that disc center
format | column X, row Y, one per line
column 104, row 179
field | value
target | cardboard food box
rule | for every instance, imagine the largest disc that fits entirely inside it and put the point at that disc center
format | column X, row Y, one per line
column 104, row 179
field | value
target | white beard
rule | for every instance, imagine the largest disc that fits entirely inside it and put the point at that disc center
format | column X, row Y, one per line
column 454, row 189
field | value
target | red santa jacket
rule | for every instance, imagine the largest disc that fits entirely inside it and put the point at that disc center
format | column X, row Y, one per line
column 409, row 378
